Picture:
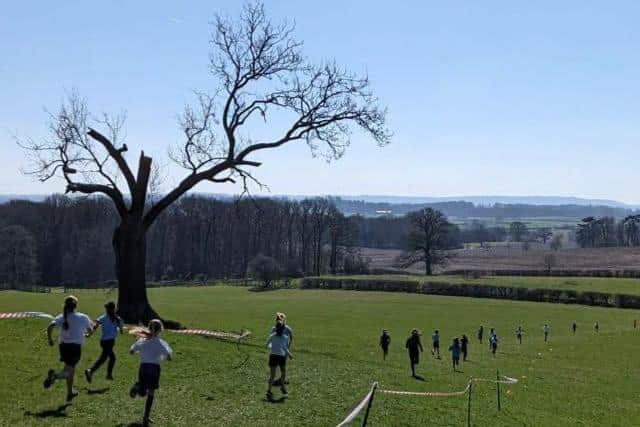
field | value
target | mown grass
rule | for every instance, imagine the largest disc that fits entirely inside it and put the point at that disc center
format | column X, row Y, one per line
column 582, row 284
column 586, row 379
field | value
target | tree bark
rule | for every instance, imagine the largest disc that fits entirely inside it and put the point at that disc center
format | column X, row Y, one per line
column 129, row 244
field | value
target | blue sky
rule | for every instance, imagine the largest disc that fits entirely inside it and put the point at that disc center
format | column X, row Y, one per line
column 491, row 97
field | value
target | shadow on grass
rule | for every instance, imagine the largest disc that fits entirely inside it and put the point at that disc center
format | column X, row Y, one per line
column 58, row 412
column 97, row 390
column 418, row 377
column 275, row 401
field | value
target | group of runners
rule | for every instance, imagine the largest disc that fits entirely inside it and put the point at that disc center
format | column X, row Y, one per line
column 460, row 345
column 75, row 326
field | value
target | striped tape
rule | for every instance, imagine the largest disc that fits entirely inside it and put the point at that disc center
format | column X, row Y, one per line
column 212, row 334
column 26, row 315
column 356, row 411
column 504, row 380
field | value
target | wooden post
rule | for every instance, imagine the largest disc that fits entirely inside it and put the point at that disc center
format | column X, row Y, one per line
column 469, row 404
column 498, row 387
column 366, row 414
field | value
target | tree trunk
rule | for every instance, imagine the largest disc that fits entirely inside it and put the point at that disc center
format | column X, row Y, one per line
column 129, row 244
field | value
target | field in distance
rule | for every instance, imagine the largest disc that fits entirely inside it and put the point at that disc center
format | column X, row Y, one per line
column 585, row 379
column 514, row 258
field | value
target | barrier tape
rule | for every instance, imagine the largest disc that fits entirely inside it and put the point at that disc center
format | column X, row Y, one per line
column 429, row 393
column 142, row 332
column 356, row 411
column 26, row 315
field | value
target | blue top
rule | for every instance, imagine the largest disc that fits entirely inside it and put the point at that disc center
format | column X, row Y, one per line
column 278, row 344
column 455, row 350
column 287, row 331
column 109, row 327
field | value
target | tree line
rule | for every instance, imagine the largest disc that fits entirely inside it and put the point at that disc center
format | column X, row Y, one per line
column 607, row 231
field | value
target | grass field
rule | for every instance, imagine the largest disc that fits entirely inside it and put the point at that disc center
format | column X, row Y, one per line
column 581, row 284
column 586, row 379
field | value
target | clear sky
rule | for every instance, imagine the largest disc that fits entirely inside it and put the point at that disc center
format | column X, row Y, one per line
column 484, row 97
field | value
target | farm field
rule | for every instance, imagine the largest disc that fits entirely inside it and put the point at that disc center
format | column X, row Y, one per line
column 581, row 284
column 514, row 258
column 582, row 379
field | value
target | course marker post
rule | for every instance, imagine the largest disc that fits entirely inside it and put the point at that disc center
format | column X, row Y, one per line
column 366, row 413
column 469, row 403
column 498, row 387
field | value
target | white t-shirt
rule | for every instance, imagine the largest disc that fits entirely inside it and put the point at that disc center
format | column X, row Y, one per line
column 79, row 324
column 152, row 350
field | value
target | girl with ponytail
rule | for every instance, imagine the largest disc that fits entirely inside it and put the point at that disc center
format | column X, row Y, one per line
column 153, row 350
column 111, row 324
column 74, row 327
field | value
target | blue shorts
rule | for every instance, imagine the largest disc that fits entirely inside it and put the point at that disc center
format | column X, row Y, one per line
column 149, row 376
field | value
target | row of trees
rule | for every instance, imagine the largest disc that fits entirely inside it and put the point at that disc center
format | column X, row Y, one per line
column 64, row 240
column 606, row 231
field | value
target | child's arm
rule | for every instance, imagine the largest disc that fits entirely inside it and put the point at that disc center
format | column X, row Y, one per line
column 290, row 354
column 49, row 331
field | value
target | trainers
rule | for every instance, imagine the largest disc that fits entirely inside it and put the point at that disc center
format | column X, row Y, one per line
column 109, row 377
column 135, row 390
column 146, row 422
column 269, row 396
column 51, row 377
column 277, row 382
column 283, row 390
column 88, row 374
column 71, row 396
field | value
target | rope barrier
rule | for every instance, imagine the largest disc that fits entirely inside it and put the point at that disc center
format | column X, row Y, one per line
column 428, row 393
column 356, row 411
column 26, row 315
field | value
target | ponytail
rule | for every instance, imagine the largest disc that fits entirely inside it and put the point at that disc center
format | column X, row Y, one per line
column 110, row 308
column 70, row 304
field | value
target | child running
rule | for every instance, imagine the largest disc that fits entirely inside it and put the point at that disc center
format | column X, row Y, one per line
column 74, row 327
column 454, row 348
column 545, row 329
column 414, row 346
column 110, row 323
column 278, row 342
column 464, row 343
column 435, row 338
column 519, row 333
column 480, row 333
column 493, row 342
column 492, row 332
column 281, row 317
column 574, row 327
column 385, row 340
column 153, row 350
column 596, row 326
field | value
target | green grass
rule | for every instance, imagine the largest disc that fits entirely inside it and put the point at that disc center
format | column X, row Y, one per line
column 586, row 379
column 582, row 284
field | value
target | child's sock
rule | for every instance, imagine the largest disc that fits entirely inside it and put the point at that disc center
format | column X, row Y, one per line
column 147, row 406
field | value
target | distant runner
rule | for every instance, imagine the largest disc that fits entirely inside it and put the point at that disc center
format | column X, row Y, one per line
column 574, row 327
column 480, row 333
column 385, row 340
column 414, row 346
column 464, row 343
column 454, row 348
column 519, row 333
column 545, row 330
column 435, row 338
column 493, row 343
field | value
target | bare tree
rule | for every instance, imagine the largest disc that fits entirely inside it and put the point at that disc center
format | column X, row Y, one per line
column 261, row 74
column 427, row 240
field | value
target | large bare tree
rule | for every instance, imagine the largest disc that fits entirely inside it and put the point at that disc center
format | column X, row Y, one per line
column 428, row 239
column 262, row 76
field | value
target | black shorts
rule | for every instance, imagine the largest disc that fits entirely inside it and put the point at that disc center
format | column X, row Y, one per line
column 70, row 353
column 107, row 345
column 436, row 344
column 149, row 376
column 414, row 357
column 277, row 360
column 385, row 348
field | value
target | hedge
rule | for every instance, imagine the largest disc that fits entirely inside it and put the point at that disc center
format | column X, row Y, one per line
column 599, row 299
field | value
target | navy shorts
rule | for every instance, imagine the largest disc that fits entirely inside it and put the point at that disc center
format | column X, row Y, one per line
column 277, row 360
column 149, row 376
column 70, row 353
column 414, row 357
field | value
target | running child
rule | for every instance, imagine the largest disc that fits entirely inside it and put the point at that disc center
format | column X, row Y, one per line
column 385, row 340
column 596, row 326
column 480, row 333
column 492, row 332
column 493, row 343
column 278, row 342
column 574, row 326
column 464, row 343
column 519, row 333
column 74, row 327
column 153, row 350
column 110, row 323
column 545, row 329
column 454, row 348
column 435, row 338
column 414, row 346
column 281, row 317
